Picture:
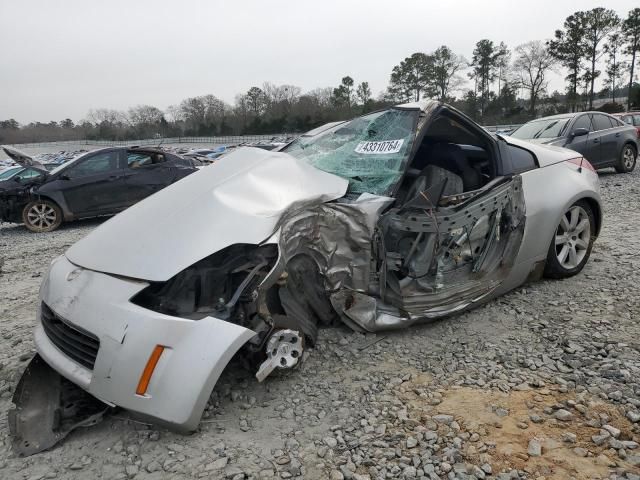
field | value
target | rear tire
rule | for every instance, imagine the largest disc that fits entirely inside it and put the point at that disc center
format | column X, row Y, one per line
column 627, row 160
column 41, row 216
column 572, row 242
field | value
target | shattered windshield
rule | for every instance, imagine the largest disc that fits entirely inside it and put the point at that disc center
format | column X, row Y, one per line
column 370, row 151
column 550, row 128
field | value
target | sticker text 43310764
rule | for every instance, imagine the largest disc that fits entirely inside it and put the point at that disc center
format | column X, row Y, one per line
column 375, row 148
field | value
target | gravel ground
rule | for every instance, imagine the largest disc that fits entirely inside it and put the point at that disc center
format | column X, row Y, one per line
column 543, row 383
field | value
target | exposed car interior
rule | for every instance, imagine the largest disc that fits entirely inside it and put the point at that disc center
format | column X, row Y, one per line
column 449, row 150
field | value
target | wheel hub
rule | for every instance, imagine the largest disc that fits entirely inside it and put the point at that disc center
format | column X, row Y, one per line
column 41, row 215
column 628, row 158
column 573, row 237
column 284, row 348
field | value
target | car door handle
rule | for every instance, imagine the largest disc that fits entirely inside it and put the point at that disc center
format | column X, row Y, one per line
column 596, row 140
column 618, row 134
column 114, row 177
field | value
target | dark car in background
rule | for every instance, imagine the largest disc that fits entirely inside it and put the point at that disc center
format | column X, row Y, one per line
column 601, row 138
column 100, row 182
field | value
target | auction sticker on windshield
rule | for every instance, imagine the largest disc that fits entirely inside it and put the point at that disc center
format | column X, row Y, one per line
column 387, row 146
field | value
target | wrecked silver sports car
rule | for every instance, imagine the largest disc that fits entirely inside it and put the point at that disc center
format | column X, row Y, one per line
column 396, row 217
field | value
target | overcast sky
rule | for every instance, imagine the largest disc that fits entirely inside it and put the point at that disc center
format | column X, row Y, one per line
column 61, row 58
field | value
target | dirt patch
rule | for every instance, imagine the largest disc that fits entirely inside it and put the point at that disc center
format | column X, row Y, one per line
column 504, row 427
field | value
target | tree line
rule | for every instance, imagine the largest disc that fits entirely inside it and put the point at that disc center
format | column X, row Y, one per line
column 498, row 85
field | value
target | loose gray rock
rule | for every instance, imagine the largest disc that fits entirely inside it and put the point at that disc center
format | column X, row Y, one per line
column 563, row 415
column 445, row 419
column 613, row 431
column 600, row 439
column 535, row 448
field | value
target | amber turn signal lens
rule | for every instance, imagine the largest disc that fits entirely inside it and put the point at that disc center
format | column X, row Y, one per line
column 145, row 378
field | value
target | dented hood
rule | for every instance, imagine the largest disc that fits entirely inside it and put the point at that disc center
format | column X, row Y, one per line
column 238, row 199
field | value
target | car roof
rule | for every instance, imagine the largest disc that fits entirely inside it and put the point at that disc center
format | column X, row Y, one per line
column 570, row 115
column 423, row 105
column 556, row 117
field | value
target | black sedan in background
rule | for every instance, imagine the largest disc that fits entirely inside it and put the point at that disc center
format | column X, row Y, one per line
column 602, row 139
column 100, row 182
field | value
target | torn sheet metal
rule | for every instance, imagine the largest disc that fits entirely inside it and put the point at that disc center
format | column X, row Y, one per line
column 48, row 408
column 337, row 236
column 436, row 262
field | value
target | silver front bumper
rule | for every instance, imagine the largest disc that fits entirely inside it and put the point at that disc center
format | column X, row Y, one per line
column 195, row 352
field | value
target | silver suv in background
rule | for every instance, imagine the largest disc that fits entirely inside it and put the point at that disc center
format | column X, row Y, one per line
column 603, row 139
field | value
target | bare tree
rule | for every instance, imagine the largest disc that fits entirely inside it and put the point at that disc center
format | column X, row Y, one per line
column 532, row 64
column 107, row 115
column 145, row 115
column 321, row 95
column 279, row 98
column 173, row 113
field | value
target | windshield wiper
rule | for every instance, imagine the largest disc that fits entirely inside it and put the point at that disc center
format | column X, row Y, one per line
column 537, row 135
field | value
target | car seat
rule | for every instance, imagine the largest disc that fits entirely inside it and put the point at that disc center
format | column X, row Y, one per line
column 451, row 157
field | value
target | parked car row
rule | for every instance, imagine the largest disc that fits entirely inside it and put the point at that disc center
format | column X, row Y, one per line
column 393, row 218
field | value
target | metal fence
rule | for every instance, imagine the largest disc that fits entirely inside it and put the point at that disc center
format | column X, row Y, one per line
column 222, row 140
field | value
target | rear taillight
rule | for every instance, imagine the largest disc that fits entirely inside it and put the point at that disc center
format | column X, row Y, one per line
column 638, row 131
column 582, row 162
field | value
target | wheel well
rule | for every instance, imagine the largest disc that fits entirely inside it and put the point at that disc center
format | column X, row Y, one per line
column 37, row 197
column 597, row 212
column 632, row 145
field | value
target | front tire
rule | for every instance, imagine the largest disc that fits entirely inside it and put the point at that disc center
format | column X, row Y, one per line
column 572, row 242
column 41, row 216
column 627, row 160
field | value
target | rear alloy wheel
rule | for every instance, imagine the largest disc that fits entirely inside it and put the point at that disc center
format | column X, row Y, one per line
column 627, row 161
column 572, row 242
column 42, row 216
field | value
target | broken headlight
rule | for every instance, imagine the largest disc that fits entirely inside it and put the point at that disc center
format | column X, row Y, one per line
column 220, row 285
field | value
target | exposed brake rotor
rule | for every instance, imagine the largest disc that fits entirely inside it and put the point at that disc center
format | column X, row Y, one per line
column 284, row 348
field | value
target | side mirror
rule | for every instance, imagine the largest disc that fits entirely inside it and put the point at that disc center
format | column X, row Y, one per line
column 579, row 132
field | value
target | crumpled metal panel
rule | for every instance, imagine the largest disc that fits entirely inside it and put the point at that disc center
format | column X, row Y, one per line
column 443, row 261
column 337, row 236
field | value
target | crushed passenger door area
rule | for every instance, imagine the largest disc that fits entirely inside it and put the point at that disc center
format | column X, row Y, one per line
column 435, row 257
